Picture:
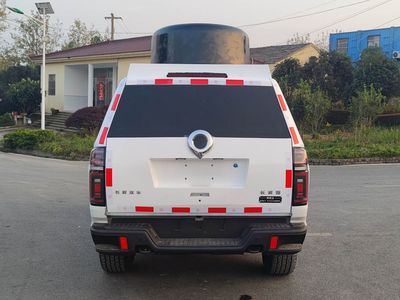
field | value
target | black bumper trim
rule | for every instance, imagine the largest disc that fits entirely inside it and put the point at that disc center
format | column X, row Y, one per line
column 255, row 238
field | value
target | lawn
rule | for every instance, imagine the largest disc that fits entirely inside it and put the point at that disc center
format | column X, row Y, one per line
column 366, row 143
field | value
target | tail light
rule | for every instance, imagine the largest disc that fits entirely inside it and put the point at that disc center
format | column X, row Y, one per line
column 96, row 177
column 300, row 180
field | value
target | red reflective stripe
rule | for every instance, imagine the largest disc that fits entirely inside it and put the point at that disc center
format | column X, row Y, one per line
column 108, row 177
column 282, row 102
column 116, row 101
column 273, row 242
column 181, row 209
column 198, row 81
column 253, row 210
column 123, row 243
column 144, row 209
column 163, row 81
column 294, row 135
column 217, row 210
column 103, row 135
column 234, row 82
column 289, row 179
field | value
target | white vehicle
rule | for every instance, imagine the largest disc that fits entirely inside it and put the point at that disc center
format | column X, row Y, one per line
column 199, row 158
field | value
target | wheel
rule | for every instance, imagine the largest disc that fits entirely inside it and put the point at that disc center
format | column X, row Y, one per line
column 115, row 263
column 279, row 264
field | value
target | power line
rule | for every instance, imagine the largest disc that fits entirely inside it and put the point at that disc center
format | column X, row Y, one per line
column 350, row 17
column 304, row 15
column 388, row 22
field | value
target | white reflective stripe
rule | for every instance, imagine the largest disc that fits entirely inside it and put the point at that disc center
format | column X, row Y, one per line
column 109, row 115
column 287, row 115
column 187, row 81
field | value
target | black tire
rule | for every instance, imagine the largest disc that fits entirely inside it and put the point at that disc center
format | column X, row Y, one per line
column 115, row 263
column 279, row 264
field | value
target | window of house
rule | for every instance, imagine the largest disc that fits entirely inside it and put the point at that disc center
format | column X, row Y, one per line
column 373, row 41
column 342, row 45
column 52, row 85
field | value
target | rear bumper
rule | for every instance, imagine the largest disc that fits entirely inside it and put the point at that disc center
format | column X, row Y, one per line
column 146, row 236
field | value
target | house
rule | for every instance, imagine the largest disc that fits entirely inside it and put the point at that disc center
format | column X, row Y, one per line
column 88, row 75
column 273, row 55
column 353, row 43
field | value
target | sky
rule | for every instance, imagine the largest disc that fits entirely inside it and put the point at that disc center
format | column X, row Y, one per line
column 146, row 16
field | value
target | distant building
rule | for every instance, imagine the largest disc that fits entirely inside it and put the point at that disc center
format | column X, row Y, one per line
column 88, row 75
column 273, row 55
column 353, row 43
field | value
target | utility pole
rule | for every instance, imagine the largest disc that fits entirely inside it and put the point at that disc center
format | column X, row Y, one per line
column 113, row 18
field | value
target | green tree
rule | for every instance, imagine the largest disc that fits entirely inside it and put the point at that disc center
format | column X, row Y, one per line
column 288, row 75
column 310, row 106
column 25, row 95
column 80, row 35
column 375, row 68
column 331, row 72
column 365, row 106
column 28, row 40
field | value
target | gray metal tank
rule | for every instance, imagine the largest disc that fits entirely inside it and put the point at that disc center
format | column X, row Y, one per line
column 200, row 44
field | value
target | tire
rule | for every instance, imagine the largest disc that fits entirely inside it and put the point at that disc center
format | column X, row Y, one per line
column 279, row 264
column 115, row 263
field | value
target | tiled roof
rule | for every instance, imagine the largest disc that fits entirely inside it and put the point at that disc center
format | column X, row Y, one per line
column 264, row 55
column 274, row 54
column 139, row 44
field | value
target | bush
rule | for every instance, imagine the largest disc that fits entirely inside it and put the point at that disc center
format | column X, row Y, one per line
column 87, row 119
column 366, row 106
column 6, row 120
column 25, row 95
column 27, row 139
column 314, row 104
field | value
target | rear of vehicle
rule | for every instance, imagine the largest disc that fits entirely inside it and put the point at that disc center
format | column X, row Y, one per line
column 199, row 159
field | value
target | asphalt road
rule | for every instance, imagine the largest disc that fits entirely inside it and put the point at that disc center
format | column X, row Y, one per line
column 352, row 250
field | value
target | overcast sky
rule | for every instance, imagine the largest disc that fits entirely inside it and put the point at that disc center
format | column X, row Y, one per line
column 146, row 16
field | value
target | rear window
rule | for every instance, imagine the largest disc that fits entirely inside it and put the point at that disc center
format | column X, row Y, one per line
column 178, row 110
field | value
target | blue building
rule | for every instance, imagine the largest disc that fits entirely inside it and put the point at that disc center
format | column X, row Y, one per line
column 353, row 43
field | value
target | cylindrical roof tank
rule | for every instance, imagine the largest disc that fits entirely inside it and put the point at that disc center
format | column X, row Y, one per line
column 200, row 44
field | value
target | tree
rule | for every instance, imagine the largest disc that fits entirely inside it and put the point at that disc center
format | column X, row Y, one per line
column 28, row 39
column 311, row 106
column 375, row 68
column 365, row 106
column 297, row 39
column 25, row 95
column 288, row 75
column 331, row 72
column 13, row 75
column 79, row 35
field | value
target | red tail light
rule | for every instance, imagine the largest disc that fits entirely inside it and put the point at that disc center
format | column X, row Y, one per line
column 96, row 177
column 300, row 177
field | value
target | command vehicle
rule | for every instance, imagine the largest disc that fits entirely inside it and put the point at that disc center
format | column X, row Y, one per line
column 198, row 158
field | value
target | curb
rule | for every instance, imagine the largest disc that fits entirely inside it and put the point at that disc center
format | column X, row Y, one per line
column 354, row 161
column 39, row 153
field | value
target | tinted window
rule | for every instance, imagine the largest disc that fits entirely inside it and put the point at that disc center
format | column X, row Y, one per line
column 178, row 110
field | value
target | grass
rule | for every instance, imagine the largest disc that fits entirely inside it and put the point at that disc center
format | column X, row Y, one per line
column 366, row 143
column 69, row 146
column 330, row 144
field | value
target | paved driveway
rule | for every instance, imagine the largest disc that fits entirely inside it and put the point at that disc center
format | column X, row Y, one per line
column 351, row 251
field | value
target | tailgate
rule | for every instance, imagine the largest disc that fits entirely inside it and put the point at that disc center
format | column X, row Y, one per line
column 160, row 176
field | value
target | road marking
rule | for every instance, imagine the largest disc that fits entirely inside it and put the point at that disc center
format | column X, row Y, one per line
column 321, row 234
